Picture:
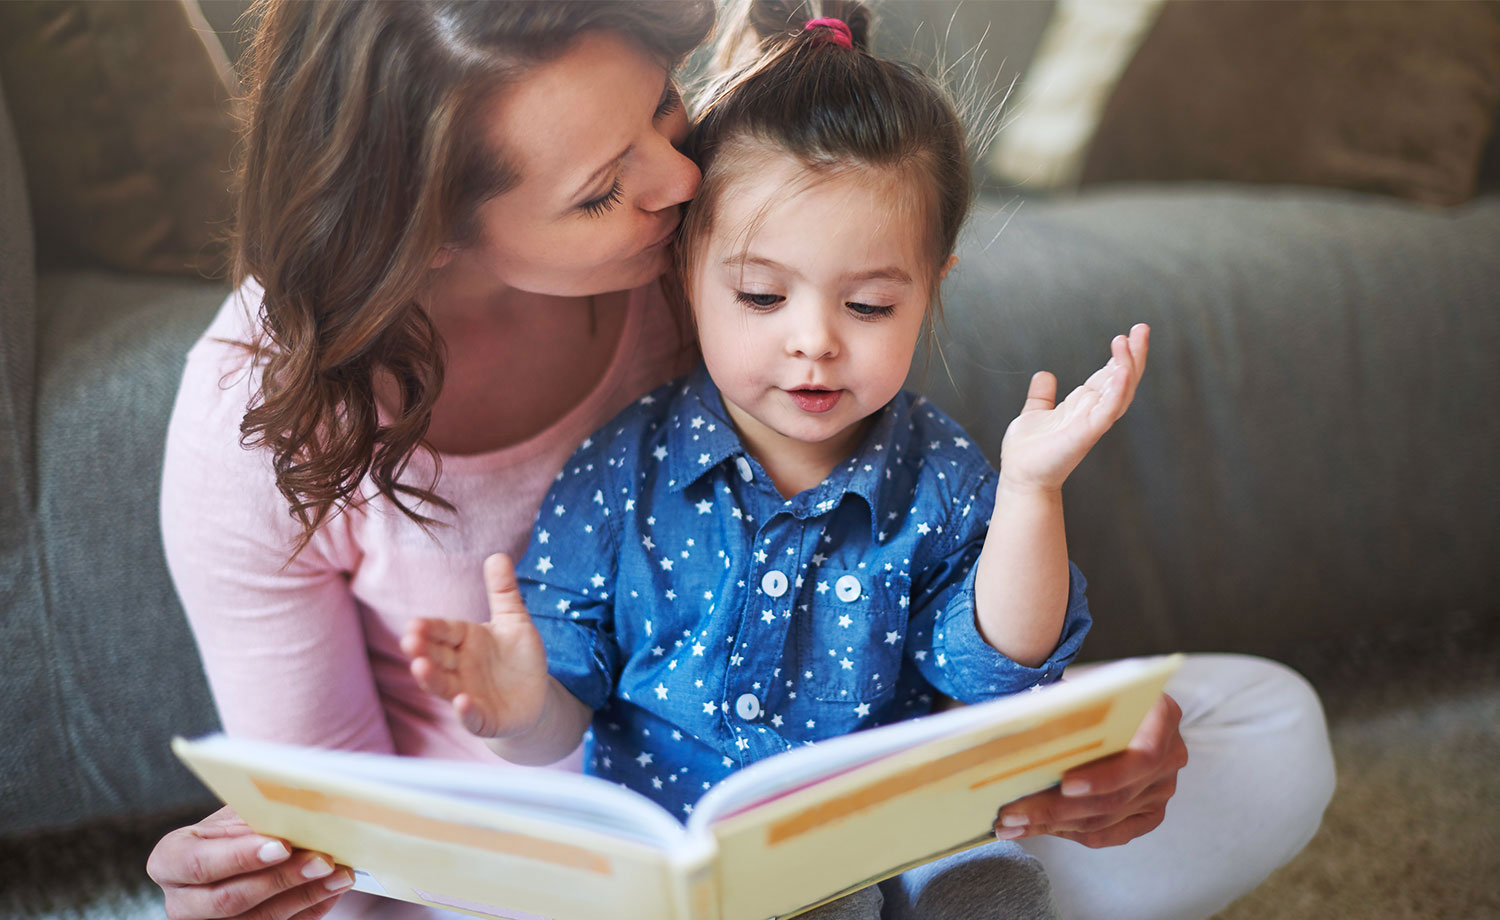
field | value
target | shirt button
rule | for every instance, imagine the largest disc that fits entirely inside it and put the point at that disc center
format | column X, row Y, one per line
column 847, row 588
column 773, row 583
column 744, row 467
column 747, row 707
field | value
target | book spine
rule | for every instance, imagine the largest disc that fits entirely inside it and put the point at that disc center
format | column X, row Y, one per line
column 695, row 869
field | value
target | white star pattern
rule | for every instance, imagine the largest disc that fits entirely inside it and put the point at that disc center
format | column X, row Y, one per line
column 813, row 530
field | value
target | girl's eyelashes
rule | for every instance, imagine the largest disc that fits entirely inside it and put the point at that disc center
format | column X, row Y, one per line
column 870, row 310
column 758, row 301
column 764, row 303
column 603, row 203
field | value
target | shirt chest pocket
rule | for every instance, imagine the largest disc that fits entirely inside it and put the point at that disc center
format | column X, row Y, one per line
column 848, row 642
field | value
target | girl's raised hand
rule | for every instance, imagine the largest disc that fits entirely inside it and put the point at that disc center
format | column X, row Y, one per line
column 1048, row 440
column 494, row 673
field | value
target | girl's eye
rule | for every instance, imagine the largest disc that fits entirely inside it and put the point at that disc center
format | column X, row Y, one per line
column 758, row 301
column 670, row 100
column 604, row 202
column 872, row 311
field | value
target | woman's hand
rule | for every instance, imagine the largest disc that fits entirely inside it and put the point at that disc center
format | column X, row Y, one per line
column 1113, row 800
column 220, row 868
column 1048, row 440
column 494, row 673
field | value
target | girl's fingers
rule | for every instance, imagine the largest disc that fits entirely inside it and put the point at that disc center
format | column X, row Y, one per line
column 473, row 716
column 1042, row 394
column 435, row 631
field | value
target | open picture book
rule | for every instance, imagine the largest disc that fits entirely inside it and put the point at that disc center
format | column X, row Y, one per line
column 776, row 838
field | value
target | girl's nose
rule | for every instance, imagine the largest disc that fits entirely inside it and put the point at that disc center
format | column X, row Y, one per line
column 812, row 336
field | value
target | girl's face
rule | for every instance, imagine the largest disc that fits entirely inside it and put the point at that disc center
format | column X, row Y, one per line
column 593, row 136
column 808, row 323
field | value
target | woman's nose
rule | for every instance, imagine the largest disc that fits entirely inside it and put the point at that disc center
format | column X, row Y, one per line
column 672, row 179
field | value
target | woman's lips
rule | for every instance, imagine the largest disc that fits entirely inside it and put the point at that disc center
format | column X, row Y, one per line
column 816, row 401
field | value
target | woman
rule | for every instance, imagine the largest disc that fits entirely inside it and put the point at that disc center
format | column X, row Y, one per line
column 451, row 224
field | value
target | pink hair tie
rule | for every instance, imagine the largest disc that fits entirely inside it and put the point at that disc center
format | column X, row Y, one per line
column 838, row 31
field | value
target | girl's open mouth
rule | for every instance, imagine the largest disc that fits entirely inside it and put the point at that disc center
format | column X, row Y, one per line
column 817, row 401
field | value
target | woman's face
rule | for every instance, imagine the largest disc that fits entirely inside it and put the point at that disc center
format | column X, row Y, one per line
column 593, row 136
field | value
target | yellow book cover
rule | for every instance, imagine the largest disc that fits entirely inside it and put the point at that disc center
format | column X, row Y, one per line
column 774, row 839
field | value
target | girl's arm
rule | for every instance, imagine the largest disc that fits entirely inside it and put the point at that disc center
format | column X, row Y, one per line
column 1021, row 586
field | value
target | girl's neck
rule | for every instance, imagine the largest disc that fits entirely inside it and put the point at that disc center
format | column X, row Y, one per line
column 794, row 466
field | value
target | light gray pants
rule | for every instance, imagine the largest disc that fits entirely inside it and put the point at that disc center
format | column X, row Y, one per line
column 997, row 881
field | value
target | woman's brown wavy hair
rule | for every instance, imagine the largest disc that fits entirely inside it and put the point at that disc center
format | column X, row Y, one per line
column 360, row 159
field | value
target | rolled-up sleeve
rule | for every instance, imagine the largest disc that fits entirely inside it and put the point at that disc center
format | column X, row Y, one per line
column 962, row 665
column 567, row 579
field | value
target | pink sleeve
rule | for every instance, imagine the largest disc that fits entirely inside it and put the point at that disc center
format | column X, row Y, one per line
column 282, row 644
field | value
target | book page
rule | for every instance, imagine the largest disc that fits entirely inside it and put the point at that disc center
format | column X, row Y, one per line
column 856, row 809
column 487, row 841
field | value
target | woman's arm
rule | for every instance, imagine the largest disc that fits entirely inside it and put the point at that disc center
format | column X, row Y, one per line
column 282, row 646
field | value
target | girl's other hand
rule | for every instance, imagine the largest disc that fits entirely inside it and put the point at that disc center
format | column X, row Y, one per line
column 1047, row 441
column 220, row 868
column 494, row 673
column 1112, row 800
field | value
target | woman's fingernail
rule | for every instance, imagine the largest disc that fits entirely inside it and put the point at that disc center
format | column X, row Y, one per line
column 1075, row 787
column 340, row 882
column 317, row 867
column 272, row 850
column 1009, row 833
column 1014, row 820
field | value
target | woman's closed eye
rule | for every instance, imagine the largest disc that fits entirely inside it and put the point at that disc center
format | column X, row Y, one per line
column 670, row 100
column 594, row 207
column 597, row 206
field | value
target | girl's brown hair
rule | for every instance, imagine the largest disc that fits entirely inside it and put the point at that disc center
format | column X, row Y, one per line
column 799, row 91
column 359, row 161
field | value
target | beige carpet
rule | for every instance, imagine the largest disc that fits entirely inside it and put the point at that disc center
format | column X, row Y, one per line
column 1413, row 830
column 1414, row 827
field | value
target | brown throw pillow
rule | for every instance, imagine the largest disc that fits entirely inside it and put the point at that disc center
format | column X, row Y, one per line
column 1393, row 97
column 122, row 114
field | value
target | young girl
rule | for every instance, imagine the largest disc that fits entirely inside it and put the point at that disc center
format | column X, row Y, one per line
column 784, row 546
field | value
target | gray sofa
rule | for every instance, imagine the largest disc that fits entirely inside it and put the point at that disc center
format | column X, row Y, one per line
column 1309, row 458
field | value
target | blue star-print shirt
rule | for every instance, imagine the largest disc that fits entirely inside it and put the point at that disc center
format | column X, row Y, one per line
column 710, row 623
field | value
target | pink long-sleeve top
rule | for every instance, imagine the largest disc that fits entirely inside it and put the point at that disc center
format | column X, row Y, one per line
column 307, row 652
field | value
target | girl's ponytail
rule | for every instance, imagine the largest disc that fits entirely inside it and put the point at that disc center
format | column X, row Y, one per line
column 753, row 28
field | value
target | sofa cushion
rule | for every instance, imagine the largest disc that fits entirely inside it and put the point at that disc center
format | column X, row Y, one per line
column 122, row 111
column 112, row 672
column 1398, row 98
column 22, row 632
column 1311, row 451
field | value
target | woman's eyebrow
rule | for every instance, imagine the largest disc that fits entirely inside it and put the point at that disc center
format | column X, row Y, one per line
column 614, row 162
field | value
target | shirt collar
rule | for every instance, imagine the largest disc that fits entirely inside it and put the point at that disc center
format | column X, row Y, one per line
column 700, row 437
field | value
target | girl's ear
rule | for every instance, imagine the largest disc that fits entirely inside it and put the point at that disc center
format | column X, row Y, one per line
column 445, row 254
column 947, row 267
